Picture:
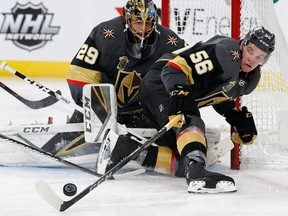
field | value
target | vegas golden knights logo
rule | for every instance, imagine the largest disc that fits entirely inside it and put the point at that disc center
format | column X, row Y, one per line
column 127, row 84
column 127, row 87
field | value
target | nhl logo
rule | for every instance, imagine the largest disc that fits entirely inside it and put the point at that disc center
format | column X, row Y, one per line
column 28, row 26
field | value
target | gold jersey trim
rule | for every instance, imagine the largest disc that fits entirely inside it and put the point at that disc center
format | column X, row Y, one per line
column 84, row 75
column 189, row 137
column 187, row 70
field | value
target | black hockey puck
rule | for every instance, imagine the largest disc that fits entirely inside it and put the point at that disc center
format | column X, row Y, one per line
column 69, row 189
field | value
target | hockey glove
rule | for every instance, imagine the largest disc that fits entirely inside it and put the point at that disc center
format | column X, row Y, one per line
column 182, row 102
column 244, row 124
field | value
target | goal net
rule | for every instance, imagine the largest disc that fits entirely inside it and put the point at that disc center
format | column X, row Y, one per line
column 201, row 19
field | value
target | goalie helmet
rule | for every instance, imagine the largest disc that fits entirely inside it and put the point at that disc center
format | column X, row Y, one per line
column 141, row 10
column 145, row 12
column 261, row 38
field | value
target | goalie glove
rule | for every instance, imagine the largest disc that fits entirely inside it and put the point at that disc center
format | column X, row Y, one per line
column 244, row 124
column 182, row 102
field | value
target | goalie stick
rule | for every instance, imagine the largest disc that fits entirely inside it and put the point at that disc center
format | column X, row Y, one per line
column 54, row 200
column 45, row 102
column 66, row 162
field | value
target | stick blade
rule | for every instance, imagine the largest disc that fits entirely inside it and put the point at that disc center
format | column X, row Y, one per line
column 45, row 191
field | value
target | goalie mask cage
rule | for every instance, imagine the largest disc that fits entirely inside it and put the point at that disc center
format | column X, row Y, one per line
column 196, row 20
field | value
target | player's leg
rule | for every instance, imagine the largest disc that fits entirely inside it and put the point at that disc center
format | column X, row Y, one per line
column 190, row 141
column 192, row 146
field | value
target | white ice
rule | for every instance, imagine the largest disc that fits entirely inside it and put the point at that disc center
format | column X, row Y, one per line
column 261, row 190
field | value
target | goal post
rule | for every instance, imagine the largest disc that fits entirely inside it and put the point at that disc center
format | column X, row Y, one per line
column 200, row 20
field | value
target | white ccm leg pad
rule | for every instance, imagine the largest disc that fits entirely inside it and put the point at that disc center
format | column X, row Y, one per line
column 100, row 110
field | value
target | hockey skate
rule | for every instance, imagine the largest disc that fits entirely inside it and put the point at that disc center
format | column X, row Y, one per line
column 113, row 149
column 200, row 180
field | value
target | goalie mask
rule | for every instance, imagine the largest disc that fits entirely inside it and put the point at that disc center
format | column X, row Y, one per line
column 261, row 38
column 140, row 21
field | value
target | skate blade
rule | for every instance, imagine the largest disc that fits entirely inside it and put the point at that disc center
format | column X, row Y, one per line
column 221, row 187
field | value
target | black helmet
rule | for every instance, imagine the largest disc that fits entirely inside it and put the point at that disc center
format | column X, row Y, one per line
column 261, row 38
column 140, row 10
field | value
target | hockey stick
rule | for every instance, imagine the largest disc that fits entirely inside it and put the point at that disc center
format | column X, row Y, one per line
column 45, row 102
column 65, row 162
column 57, row 96
column 54, row 200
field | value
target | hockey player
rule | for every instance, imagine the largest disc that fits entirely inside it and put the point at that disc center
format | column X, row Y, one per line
column 120, row 51
column 214, row 72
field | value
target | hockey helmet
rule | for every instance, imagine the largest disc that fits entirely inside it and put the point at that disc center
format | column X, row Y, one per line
column 261, row 38
column 140, row 10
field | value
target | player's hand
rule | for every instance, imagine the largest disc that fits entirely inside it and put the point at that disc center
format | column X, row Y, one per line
column 236, row 138
column 180, row 123
column 243, row 122
column 182, row 102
